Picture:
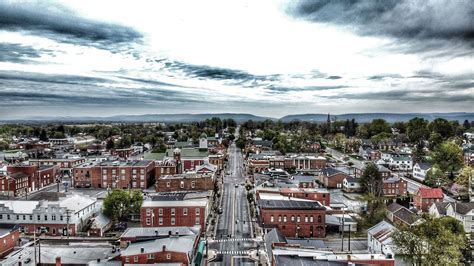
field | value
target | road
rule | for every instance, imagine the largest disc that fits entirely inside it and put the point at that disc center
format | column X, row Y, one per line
column 233, row 242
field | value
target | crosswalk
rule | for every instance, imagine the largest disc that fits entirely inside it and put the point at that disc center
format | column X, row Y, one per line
column 232, row 240
column 234, row 252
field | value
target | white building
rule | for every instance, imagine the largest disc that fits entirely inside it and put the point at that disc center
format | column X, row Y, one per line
column 379, row 239
column 50, row 217
column 401, row 162
column 420, row 170
column 461, row 211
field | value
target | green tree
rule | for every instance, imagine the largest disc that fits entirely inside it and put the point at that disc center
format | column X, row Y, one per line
column 419, row 152
column 110, row 144
column 435, row 177
column 442, row 127
column 434, row 140
column 466, row 173
column 117, row 205
column 379, row 126
column 136, row 200
column 371, row 180
column 448, row 156
column 417, row 129
column 435, row 241
column 43, row 135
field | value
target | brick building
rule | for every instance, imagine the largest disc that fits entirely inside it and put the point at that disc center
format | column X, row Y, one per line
column 332, row 178
column 394, row 187
column 294, row 218
column 165, row 167
column 305, row 162
column 115, row 174
column 203, row 178
column 320, row 195
column 174, row 209
column 65, row 164
column 38, row 176
column 9, row 239
column 172, row 250
column 14, row 184
column 424, row 197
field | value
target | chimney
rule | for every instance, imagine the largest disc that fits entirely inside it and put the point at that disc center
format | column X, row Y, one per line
column 58, row 261
column 142, row 250
column 164, row 248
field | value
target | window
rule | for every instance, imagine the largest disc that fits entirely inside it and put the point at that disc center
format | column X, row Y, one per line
column 271, row 219
column 168, row 184
column 160, row 212
column 8, row 216
column 60, row 217
column 198, row 211
column 104, row 171
column 185, row 211
column 298, row 219
column 122, row 171
column 148, row 212
column 173, row 211
column 279, row 218
column 306, row 219
column 53, row 217
column 292, row 218
column 151, row 256
column 148, row 221
column 284, row 219
column 168, row 256
column 319, row 218
column 311, row 219
column 135, row 259
column 198, row 221
column 193, row 184
column 160, row 221
column 142, row 171
column 18, row 217
column 181, row 185
column 134, row 171
column 173, row 220
column 127, row 259
column 31, row 217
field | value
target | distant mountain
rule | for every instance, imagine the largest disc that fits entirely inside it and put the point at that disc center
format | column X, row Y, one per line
column 168, row 118
column 389, row 117
column 240, row 117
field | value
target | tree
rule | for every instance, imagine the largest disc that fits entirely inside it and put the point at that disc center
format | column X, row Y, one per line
column 371, row 180
column 379, row 126
column 466, row 173
column 419, row 152
column 442, row 127
column 434, row 140
column 136, row 200
column 43, row 136
column 435, row 177
column 110, row 144
column 435, row 241
column 466, row 125
column 448, row 156
column 417, row 129
column 117, row 204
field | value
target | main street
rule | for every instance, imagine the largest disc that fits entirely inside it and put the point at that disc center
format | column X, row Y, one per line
column 234, row 242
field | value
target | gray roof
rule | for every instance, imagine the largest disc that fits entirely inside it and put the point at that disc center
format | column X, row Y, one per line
column 291, row 204
column 352, row 179
column 304, row 178
column 394, row 207
column 274, row 236
column 182, row 244
column 425, row 166
column 329, row 171
column 441, row 207
column 406, row 215
column 308, row 243
column 146, row 232
column 100, row 221
column 463, row 207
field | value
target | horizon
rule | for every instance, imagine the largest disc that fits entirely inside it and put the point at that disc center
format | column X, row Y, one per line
column 67, row 58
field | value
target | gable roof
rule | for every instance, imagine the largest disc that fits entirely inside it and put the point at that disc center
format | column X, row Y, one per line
column 462, row 207
column 406, row 215
column 394, row 207
column 425, row 166
column 430, row 193
column 441, row 207
column 329, row 171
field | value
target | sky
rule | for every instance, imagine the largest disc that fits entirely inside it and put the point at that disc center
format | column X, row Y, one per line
column 269, row 58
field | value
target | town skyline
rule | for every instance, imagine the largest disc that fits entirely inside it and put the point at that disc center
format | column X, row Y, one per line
column 272, row 58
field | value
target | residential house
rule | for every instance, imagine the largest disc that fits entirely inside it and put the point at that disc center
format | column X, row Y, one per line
column 400, row 215
column 420, row 170
column 351, row 184
column 461, row 211
column 424, row 197
column 395, row 187
column 332, row 177
column 379, row 239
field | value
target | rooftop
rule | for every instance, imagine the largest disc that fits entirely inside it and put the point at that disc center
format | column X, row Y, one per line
column 291, row 204
column 144, row 232
column 182, row 244
column 430, row 193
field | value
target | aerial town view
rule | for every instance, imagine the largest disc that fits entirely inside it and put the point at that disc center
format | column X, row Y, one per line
column 240, row 132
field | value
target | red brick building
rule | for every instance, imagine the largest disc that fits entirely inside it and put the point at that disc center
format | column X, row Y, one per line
column 294, row 218
column 394, row 187
column 38, row 176
column 65, row 164
column 305, row 162
column 123, row 153
column 320, row 195
column 171, row 250
column 332, row 178
column 115, row 174
column 14, row 184
column 9, row 239
column 424, row 197
column 165, row 167
column 175, row 209
column 201, row 179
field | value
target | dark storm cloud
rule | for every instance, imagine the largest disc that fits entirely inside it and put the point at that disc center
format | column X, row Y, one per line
column 334, row 77
column 57, row 22
column 278, row 90
column 437, row 19
column 17, row 53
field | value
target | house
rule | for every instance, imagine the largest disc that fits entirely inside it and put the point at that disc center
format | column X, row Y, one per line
column 9, row 239
column 171, row 250
column 360, row 168
column 201, row 179
column 351, row 184
column 332, row 177
column 395, row 187
column 294, row 218
column 424, row 197
column 461, row 211
column 398, row 214
column 379, row 239
column 420, row 170
column 37, row 176
column 304, row 181
column 100, row 225
column 400, row 162
column 175, row 209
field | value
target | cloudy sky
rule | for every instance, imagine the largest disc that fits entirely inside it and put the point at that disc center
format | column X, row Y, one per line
column 272, row 58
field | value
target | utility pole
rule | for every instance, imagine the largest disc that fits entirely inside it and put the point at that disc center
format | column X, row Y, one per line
column 67, row 223
column 342, row 243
